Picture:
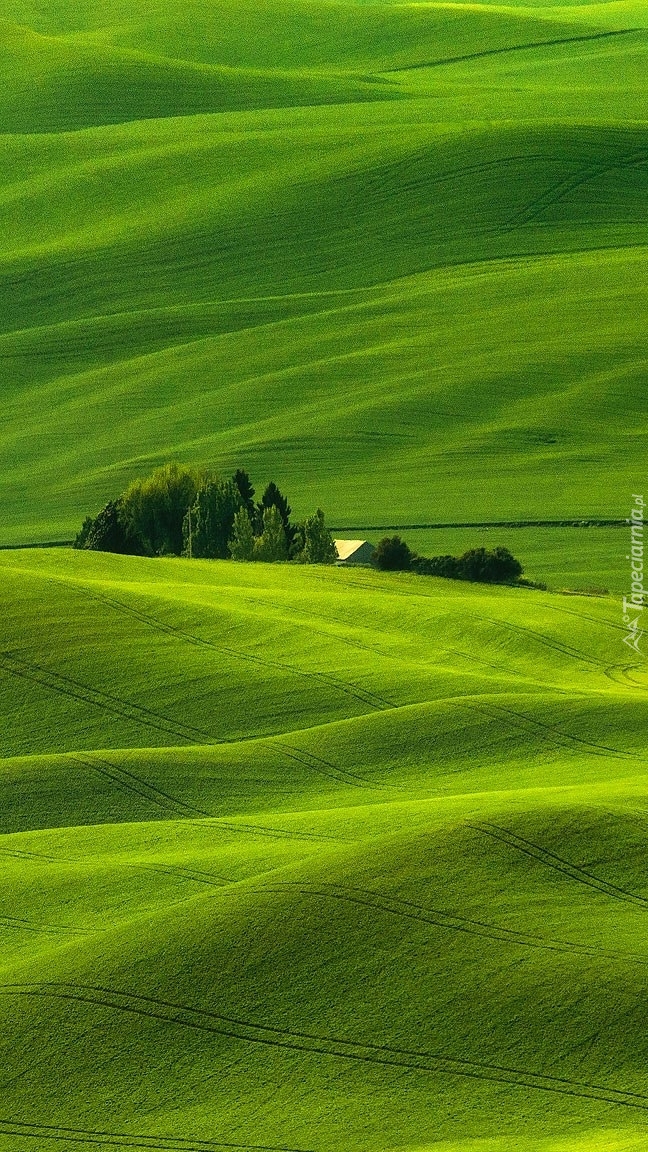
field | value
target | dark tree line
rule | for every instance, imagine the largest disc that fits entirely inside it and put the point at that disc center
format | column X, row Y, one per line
column 179, row 511
column 482, row 565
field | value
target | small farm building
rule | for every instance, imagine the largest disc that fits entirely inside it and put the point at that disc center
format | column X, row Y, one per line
column 354, row 551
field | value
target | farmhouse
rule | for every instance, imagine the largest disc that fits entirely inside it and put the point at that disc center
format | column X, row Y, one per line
column 354, row 552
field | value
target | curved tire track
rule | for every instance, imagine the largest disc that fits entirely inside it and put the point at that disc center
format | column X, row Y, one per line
column 558, row 864
column 364, row 696
column 561, row 738
column 382, row 1055
column 130, row 782
column 438, row 918
column 66, row 686
column 324, row 767
column 514, row 48
column 128, row 1140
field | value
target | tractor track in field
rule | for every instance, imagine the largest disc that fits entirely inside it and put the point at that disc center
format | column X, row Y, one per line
column 364, row 696
column 487, row 663
column 558, row 736
column 23, row 854
column 106, row 1139
column 514, row 48
column 562, row 188
column 313, row 1044
column 129, row 782
column 539, row 637
column 18, row 923
column 214, row 879
column 336, row 637
column 325, row 768
column 621, row 674
column 135, row 713
column 438, row 918
column 272, row 833
column 559, row 864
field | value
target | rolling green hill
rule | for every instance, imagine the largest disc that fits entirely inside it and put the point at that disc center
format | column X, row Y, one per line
column 394, row 255
column 317, row 859
column 300, row 859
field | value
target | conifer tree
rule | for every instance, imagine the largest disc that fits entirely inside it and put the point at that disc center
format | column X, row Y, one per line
column 273, row 498
column 271, row 544
column 244, row 485
column 242, row 540
column 318, row 542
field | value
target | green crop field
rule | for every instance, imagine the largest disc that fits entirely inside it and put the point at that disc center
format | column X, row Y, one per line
column 297, row 858
column 391, row 254
column 315, row 859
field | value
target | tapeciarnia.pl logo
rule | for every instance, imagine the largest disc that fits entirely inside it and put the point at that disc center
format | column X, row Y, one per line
column 634, row 604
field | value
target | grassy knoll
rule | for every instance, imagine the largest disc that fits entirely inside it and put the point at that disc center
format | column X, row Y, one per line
column 393, row 253
column 317, row 859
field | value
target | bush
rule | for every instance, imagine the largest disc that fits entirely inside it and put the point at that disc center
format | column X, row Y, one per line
column 481, row 565
column 484, row 566
column 392, row 555
column 447, row 566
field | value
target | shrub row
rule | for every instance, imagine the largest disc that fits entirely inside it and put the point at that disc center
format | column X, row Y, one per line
column 483, row 565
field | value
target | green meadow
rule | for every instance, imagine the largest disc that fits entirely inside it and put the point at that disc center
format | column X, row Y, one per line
column 388, row 253
column 314, row 859
column 307, row 859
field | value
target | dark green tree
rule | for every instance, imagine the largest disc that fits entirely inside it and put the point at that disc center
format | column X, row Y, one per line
column 298, row 541
column 392, row 554
column 208, row 523
column 244, row 485
column 242, row 539
column 486, row 566
column 271, row 544
column 447, row 566
column 110, row 532
column 83, row 533
column 318, row 543
column 273, row 498
column 154, row 508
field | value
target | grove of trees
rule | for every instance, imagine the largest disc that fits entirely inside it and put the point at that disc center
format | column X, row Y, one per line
column 180, row 511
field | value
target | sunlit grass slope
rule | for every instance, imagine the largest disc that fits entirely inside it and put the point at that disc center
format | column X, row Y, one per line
column 318, row 860
column 393, row 255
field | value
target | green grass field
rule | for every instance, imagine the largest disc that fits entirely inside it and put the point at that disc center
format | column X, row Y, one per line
column 300, row 859
column 391, row 255
column 317, row 859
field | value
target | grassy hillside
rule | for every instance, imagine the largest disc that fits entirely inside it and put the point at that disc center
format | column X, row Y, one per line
column 393, row 254
column 315, row 859
column 303, row 860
